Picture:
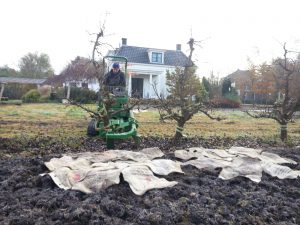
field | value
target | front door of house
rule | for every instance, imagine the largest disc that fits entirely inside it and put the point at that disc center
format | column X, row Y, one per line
column 137, row 86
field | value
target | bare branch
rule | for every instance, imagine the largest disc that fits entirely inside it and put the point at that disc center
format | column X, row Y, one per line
column 205, row 112
column 263, row 115
column 82, row 107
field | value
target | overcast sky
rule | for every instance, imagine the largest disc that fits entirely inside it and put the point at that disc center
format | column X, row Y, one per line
column 232, row 30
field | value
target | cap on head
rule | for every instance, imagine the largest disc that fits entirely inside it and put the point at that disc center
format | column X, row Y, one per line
column 116, row 65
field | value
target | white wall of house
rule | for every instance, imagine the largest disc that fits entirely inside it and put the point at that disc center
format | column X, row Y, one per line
column 152, row 74
column 92, row 84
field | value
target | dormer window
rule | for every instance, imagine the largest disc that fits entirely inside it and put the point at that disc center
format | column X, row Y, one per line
column 157, row 57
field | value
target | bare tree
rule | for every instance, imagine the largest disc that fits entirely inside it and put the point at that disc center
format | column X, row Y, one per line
column 253, row 78
column 78, row 69
column 106, row 99
column 83, row 68
column 284, row 109
column 187, row 95
column 97, row 55
column 35, row 65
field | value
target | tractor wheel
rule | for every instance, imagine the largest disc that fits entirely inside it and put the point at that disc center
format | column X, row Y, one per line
column 91, row 131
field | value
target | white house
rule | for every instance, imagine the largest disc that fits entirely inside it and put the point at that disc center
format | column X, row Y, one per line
column 148, row 66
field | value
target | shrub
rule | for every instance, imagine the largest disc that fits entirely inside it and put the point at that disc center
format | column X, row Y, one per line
column 222, row 102
column 81, row 95
column 31, row 96
column 16, row 91
column 59, row 93
column 45, row 91
column 232, row 96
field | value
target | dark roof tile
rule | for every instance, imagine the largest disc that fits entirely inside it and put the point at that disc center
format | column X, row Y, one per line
column 140, row 55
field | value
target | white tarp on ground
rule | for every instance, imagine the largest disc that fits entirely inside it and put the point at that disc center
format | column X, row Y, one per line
column 239, row 161
column 92, row 171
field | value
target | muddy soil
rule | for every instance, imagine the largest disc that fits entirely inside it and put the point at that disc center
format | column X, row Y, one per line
column 199, row 198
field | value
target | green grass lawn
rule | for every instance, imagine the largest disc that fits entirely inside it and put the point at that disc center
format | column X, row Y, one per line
column 58, row 120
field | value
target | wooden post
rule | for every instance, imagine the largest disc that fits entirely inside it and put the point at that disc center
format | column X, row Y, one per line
column 151, row 87
column 129, row 84
column 2, row 90
column 69, row 90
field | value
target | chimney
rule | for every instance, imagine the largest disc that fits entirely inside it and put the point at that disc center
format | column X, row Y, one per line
column 124, row 41
column 178, row 47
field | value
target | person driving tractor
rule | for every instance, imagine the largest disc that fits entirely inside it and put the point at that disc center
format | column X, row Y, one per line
column 114, row 119
column 115, row 77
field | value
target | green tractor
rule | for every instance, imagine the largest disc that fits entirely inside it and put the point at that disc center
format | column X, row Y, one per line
column 114, row 119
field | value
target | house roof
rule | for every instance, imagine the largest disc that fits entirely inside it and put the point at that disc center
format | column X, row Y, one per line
column 20, row 80
column 239, row 74
column 140, row 55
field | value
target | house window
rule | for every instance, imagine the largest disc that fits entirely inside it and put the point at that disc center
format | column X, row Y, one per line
column 156, row 57
column 72, row 84
column 84, row 85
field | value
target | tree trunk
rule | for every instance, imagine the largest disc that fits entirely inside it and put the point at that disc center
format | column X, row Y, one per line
column 283, row 132
column 179, row 129
column 2, row 90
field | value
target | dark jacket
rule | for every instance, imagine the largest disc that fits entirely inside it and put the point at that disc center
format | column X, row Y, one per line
column 114, row 79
